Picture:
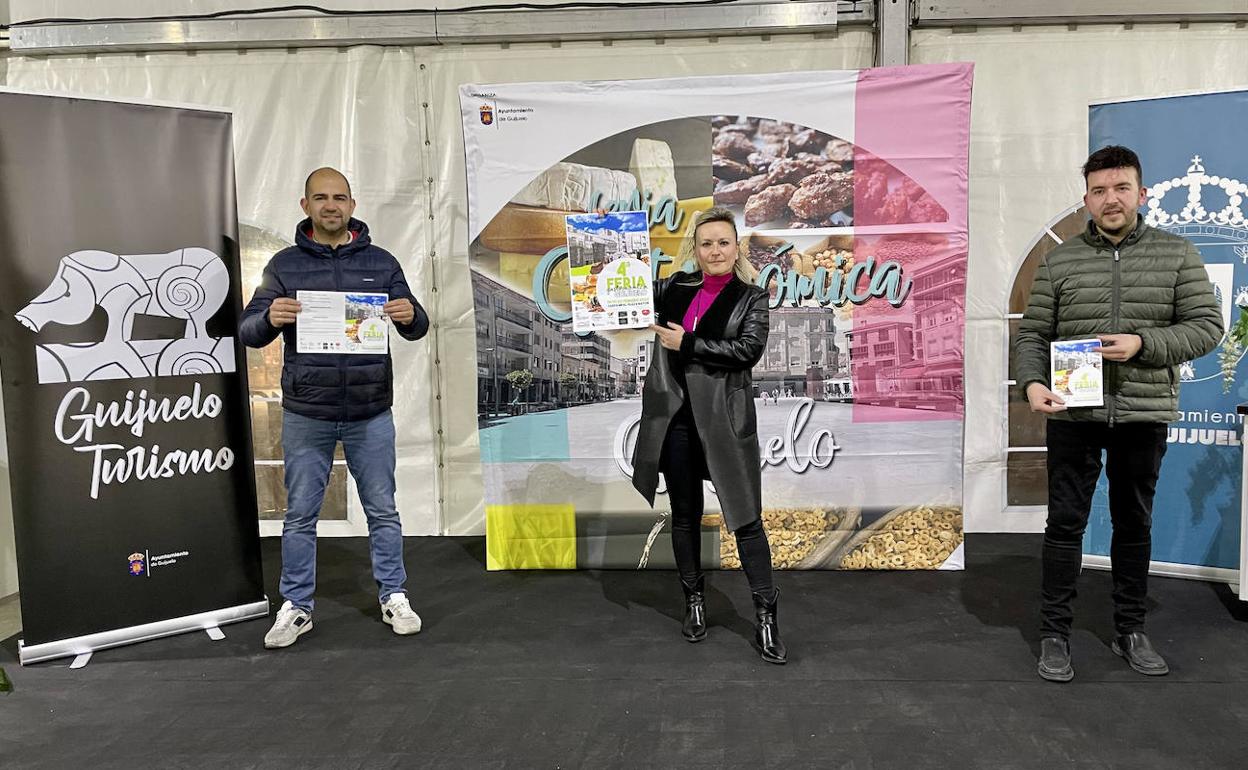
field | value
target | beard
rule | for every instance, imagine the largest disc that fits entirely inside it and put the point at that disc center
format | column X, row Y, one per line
column 333, row 228
column 1127, row 226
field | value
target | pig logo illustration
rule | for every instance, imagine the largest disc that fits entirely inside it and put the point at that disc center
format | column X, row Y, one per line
column 188, row 285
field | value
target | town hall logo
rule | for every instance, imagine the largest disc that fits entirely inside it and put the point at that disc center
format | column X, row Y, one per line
column 487, row 115
column 1197, row 217
column 187, row 285
column 138, row 564
column 1212, row 217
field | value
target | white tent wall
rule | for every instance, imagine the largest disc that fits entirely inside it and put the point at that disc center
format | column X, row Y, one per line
column 357, row 110
column 464, row 511
column 364, row 109
column 1029, row 138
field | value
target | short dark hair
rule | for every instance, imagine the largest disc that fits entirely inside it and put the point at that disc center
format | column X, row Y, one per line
column 1113, row 156
column 307, row 183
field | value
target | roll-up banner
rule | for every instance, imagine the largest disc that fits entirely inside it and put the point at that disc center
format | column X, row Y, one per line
column 849, row 190
column 125, row 390
column 1191, row 148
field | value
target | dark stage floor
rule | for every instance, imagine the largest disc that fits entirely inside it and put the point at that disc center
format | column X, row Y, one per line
column 587, row 669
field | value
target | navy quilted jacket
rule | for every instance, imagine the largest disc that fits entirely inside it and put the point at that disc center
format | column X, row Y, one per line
column 330, row 386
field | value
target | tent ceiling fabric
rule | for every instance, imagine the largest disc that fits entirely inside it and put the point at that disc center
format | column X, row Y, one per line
column 998, row 12
column 96, row 9
column 79, row 30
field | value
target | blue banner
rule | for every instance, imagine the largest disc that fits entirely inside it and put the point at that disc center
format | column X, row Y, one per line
column 1193, row 155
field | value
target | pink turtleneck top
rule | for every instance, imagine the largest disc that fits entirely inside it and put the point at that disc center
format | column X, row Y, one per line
column 712, row 285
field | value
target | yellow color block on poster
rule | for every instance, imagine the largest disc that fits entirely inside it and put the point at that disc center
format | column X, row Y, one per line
column 530, row 537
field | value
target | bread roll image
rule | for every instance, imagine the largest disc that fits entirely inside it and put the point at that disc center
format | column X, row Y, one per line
column 525, row 230
column 516, row 270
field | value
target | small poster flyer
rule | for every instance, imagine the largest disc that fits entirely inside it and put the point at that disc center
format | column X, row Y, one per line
column 1076, row 372
column 341, row 322
column 609, row 265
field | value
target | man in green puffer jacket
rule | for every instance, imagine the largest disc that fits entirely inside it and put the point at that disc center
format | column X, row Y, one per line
column 1146, row 295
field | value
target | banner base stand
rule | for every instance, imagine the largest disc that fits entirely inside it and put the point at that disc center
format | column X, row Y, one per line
column 85, row 645
column 81, row 660
column 1170, row 569
column 214, row 633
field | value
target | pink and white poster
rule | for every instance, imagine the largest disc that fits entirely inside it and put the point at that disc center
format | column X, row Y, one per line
column 850, row 193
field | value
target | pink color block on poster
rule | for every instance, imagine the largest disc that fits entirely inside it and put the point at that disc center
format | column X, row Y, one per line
column 912, row 138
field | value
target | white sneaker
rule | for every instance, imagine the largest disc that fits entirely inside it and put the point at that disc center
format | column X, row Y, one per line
column 396, row 611
column 291, row 623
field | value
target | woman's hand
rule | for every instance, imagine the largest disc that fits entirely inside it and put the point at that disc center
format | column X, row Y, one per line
column 670, row 335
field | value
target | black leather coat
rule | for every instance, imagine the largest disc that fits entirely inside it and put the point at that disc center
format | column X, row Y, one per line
column 713, row 366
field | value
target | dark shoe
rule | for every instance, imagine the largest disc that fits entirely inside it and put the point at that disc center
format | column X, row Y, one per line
column 767, row 634
column 1139, row 652
column 694, row 628
column 1054, row 664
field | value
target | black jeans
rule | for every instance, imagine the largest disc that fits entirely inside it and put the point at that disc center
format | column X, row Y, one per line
column 683, row 463
column 1133, row 453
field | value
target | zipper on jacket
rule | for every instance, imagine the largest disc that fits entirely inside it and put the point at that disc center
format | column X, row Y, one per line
column 342, row 360
column 1115, row 300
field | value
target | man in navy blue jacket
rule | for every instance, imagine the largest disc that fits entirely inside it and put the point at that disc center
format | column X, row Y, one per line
column 332, row 397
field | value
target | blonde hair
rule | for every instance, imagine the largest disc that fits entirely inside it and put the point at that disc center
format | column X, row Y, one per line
column 689, row 243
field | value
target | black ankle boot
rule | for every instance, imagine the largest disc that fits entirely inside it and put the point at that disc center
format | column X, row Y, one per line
column 694, row 628
column 767, row 634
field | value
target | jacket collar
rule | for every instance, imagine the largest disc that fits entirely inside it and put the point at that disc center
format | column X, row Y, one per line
column 680, row 294
column 1094, row 238
column 359, row 240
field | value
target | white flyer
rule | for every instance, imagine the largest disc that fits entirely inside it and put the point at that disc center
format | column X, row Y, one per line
column 341, row 322
column 609, row 268
column 1076, row 372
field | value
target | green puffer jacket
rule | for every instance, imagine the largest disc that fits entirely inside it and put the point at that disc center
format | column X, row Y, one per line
column 1154, row 285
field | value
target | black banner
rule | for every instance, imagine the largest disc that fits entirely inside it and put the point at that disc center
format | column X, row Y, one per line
column 125, row 390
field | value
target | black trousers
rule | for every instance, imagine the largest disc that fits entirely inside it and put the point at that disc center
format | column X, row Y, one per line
column 1133, row 453
column 683, row 463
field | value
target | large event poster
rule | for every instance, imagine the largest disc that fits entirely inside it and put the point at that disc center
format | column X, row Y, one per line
column 850, row 192
column 1192, row 152
column 125, row 395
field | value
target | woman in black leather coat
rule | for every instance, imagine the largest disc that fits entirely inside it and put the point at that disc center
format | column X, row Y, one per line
column 697, row 415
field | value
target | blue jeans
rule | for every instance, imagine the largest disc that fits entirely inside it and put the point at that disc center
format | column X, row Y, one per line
column 308, row 447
